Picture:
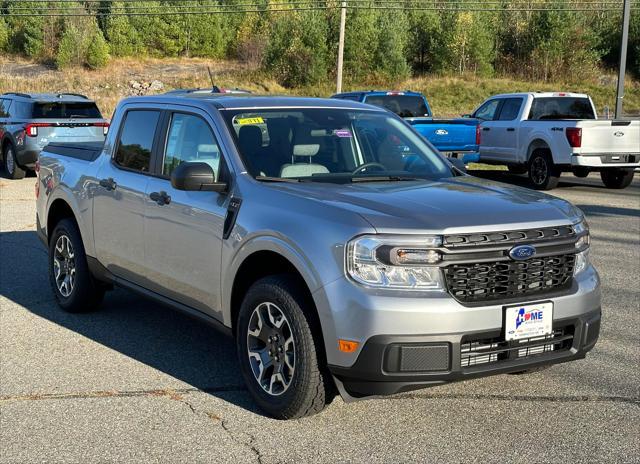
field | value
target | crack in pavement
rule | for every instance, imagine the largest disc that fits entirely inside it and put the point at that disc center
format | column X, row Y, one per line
column 251, row 443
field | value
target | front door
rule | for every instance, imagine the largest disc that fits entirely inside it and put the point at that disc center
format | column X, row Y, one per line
column 184, row 228
column 119, row 199
column 505, row 130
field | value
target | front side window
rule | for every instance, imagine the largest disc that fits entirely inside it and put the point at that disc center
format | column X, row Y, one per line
column 332, row 145
column 487, row 111
column 551, row 108
column 136, row 139
column 405, row 106
column 190, row 140
column 20, row 110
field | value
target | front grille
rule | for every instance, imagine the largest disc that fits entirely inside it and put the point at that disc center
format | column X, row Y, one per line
column 503, row 280
column 474, row 352
column 509, row 238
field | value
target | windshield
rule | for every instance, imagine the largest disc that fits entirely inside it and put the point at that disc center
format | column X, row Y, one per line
column 405, row 106
column 67, row 110
column 561, row 108
column 329, row 145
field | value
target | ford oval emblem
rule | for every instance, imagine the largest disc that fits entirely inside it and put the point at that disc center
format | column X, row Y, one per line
column 522, row 252
column 618, row 134
column 441, row 132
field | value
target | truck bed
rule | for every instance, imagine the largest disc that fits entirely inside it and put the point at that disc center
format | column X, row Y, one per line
column 86, row 151
column 448, row 135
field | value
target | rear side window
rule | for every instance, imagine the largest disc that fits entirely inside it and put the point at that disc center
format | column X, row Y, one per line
column 20, row 110
column 510, row 109
column 136, row 140
column 4, row 107
column 487, row 111
column 66, row 110
column 561, row 108
column 405, row 106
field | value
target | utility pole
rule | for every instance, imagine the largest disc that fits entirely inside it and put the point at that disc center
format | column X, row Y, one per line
column 626, row 12
column 343, row 20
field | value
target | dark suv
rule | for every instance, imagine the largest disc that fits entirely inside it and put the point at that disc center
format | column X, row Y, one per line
column 28, row 122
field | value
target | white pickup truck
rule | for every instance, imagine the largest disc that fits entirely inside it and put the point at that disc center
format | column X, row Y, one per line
column 547, row 133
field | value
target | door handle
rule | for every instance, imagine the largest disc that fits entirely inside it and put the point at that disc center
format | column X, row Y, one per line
column 486, row 129
column 511, row 129
column 160, row 197
column 108, row 184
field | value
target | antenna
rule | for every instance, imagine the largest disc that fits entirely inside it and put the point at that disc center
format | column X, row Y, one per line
column 210, row 76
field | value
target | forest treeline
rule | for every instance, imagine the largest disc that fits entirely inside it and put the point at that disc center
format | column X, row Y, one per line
column 559, row 39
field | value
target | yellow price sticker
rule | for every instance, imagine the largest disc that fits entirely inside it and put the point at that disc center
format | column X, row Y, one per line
column 256, row 120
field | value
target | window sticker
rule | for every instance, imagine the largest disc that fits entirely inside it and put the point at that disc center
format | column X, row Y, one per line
column 342, row 133
column 255, row 120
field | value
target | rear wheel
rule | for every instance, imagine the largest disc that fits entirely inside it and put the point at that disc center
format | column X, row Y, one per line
column 279, row 348
column 543, row 174
column 617, row 178
column 73, row 285
column 11, row 165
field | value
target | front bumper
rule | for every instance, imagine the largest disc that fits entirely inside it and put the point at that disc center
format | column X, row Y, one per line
column 390, row 364
column 383, row 320
column 607, row 160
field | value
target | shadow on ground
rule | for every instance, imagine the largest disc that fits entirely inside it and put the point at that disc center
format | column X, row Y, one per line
column 155, row 335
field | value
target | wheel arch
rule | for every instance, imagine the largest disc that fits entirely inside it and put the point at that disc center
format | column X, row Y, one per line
column 63, row 205
column 537, row 144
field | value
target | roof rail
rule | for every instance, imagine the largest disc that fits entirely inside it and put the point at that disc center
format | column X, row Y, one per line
column 72, row 95
column 18, row 94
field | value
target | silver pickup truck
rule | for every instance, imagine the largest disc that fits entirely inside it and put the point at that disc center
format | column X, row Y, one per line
column 329, row 238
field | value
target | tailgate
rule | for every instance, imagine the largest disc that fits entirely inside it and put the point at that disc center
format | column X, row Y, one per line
column 449, row 135
column 602, row 136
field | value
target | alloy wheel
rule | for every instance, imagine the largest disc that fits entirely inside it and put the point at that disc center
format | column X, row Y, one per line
column 271, row 348
column 64, row 266
column 539, row 170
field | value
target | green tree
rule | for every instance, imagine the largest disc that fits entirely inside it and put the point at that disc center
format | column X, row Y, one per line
column 122, row 36
column 71, row 50
column 390, row 55
column 4, row 35
column 26, row 27
column 425, row 41
column 97, row 55
column 361, row 43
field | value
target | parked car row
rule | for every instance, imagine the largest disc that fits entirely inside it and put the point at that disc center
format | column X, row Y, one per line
column 541, row 134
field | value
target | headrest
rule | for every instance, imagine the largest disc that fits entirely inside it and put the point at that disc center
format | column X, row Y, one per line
column 307, row 149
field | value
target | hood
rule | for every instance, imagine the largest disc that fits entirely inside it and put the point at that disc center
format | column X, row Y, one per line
column 445, row 206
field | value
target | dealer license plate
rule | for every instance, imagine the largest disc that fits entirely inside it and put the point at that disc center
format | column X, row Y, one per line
column 527, row 321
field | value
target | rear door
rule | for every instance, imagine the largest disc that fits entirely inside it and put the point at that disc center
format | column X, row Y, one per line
column 504, row 129
column 184, row 232
column 119, row 201
column 486, row 114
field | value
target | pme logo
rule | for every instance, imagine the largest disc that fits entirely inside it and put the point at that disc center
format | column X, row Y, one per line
column 442, row 132
column 526, row 316
column 522, row 252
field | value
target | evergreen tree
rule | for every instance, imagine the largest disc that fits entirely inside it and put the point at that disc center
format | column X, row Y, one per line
column 97, row 55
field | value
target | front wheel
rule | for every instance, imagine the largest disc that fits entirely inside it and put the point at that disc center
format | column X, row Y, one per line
column 73, row 285
column 617, row 178
column 543, row 173
column 279, row 349
column 11, row 165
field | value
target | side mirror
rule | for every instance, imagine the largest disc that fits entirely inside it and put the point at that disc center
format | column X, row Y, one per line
column 458, row 164
column 196, row 177
column 466, row 115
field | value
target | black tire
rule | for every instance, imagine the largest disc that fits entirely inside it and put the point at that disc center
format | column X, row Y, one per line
column 543, row 174
column 10, row 164
column 517, row 168
column 617, row 178
column 310, row 385
column 581, row 172
column 85, row 293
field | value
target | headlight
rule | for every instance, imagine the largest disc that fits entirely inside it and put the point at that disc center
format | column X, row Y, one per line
column 395, row 261
column 581, row 230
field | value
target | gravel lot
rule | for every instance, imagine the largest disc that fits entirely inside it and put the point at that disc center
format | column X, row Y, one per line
column 137, row 382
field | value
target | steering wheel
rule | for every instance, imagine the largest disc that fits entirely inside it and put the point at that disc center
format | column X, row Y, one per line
column 359, row 169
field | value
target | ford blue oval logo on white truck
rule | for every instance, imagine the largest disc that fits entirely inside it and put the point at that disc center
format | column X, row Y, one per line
column 522, row 252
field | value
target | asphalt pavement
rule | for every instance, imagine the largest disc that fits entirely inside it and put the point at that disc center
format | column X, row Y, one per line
column 138, row 382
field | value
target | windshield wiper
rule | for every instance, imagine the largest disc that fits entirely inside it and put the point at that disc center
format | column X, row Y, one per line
column 340, row 178
column 276, row 179
column 385, row 178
